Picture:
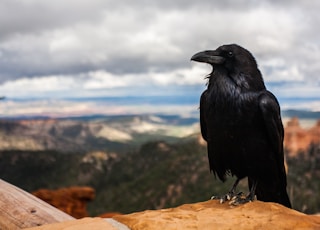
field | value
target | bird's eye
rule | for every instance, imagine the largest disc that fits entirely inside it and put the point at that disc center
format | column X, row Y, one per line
column 230, row 54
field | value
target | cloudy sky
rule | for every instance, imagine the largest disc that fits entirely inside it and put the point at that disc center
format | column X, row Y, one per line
column 52, row 50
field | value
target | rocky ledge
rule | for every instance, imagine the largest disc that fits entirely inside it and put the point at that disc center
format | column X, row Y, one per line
column 203, row 215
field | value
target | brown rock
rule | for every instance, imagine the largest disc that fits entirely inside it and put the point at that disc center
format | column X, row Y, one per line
column 72, row 200
column 213, row 215
column 298, row 139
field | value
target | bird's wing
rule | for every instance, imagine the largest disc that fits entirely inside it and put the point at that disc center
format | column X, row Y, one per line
column 203, row 108
column 270, row 109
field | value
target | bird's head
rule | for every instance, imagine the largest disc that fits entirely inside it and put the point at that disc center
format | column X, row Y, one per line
column 234, row 61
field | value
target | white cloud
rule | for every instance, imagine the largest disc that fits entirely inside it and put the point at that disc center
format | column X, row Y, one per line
column 104, row 80
column 96, row 48
column 86, row 84
column 278, row 70
column 32, row 86
column 132, row 39
column 298, row 90
column 53, row 108
column 65, row 108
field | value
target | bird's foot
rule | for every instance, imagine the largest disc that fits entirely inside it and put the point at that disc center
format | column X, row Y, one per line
column 230, row 196
column 237, row 200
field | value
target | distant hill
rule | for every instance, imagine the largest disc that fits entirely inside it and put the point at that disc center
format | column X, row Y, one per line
column 135, row 162
column 82, row 134
column 111, row 133
column 50, row 134
column 301, row 114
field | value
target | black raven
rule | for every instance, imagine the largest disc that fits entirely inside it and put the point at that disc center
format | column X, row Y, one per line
column 241, row 123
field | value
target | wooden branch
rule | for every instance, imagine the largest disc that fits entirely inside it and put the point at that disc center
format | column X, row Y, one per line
column 19, row 209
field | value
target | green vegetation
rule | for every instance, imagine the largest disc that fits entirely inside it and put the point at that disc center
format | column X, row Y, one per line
column 34, row 170
column 304, row 180
column 160, row 174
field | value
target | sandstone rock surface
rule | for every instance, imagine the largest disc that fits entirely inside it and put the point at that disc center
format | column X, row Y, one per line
column 213, row 215
column 204, row 215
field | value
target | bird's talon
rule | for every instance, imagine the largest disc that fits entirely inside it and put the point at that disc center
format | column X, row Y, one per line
column 213, row 198
column 235, row 202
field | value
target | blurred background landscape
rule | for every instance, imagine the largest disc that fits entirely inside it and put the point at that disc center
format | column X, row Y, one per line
column 102, row 95
column 138, row 162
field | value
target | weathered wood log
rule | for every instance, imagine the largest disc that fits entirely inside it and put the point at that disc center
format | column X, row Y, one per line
column 19, row 209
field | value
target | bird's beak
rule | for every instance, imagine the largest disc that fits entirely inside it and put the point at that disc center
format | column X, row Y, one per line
column 209, row 56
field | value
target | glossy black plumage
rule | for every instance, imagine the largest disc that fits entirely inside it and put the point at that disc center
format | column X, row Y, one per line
column 240, row 120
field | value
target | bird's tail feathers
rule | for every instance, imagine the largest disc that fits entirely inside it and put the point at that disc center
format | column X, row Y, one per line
column 273, row 194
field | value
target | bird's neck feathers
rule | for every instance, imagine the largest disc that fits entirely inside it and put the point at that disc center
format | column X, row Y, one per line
column 242, row 81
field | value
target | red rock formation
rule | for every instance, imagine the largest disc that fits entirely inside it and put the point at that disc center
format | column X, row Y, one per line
column 315, row 133
column 297, row 139
column 72, row 200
